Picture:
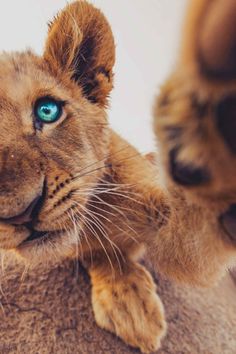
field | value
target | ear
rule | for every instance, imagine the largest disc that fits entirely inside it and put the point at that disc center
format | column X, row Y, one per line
column 80, row 43
column 209, row 37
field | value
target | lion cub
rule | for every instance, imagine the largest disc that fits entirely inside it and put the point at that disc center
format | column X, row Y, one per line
column 70, row 186
column 195, row 122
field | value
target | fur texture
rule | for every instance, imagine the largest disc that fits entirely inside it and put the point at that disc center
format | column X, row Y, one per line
column 49, row 311
column 99, row 199
column 195, row 125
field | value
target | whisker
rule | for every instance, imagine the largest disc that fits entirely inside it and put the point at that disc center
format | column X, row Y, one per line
column 108, row 165
column 115, row 215
column 101, row 226
column 2, row 262
column 1, row 289
column 77, row 243
column 87, row 222
column 53, row 250
column 89, row 246
column 86, row 239
column 105, row 158
column 116, row 209
column 25, row 272
column 100, row 190
column 5, row 300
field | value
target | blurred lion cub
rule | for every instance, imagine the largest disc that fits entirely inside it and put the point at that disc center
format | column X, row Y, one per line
column 195, row 122
column 71, row 187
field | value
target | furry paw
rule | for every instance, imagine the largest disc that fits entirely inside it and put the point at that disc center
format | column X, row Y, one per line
column 130, row 308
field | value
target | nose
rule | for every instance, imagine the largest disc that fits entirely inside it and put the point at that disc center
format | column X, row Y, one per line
column 27, row 216
column 226, row 121
column 186, row 175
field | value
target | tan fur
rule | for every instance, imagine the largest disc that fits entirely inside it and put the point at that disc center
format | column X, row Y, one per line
column 101, row 197
column 103, row 202
column 194, row 247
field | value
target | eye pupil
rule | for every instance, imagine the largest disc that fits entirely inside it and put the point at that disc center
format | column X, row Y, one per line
column 48, row 110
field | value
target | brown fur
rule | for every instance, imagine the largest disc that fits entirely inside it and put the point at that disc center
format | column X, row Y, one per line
column 102, row 200
column 194, row 246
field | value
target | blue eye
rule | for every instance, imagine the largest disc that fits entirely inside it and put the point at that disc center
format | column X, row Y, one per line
column 48, row 110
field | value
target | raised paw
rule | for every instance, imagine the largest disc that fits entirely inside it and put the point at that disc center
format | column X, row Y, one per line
column 195, row 123
column 129, row 307
column 195, row 112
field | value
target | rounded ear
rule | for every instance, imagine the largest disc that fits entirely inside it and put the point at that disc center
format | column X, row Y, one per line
column 209, row 38
column 217, row 44
column 80, row 43
column 191, row 29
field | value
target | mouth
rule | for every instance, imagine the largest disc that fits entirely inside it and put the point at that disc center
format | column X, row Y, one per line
column 228, row 222
column 35, row 235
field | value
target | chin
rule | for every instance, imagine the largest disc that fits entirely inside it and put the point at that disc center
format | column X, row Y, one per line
column 48, row 247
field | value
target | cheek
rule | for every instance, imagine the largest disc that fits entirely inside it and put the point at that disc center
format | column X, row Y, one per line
column 64, row 148
column 75, row 157
column 77, row 139
column 71, row 176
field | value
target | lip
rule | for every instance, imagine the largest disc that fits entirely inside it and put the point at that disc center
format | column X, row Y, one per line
column 35, row 235
column 25, row 216
column 228, row 222
column 31, row 212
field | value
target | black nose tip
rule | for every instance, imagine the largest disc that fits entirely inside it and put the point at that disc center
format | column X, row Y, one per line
column 27, row 215
column 226, row 121
column 186, row 175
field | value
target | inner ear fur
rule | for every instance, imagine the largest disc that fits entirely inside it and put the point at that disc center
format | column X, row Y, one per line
column 80, row 43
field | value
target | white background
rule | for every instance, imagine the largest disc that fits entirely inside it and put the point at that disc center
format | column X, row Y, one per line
column 146, row 34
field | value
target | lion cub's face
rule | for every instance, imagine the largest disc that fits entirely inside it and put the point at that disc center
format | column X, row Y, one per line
column 53, row 133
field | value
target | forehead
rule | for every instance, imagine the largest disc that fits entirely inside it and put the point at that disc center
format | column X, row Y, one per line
column 24, row 77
